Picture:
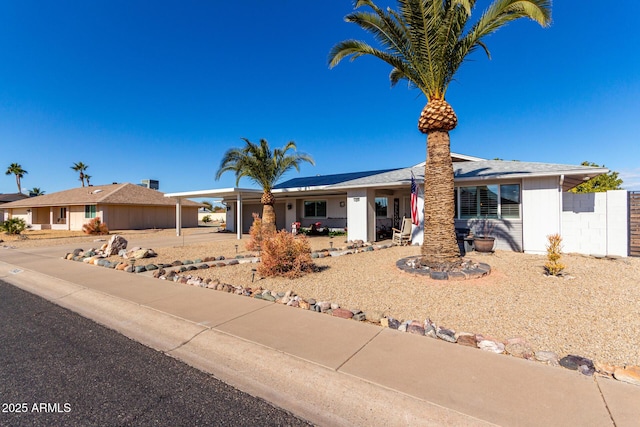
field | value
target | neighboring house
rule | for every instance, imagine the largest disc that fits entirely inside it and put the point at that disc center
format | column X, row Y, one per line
column 7, row 198
column 217, row 217
column 120, row 206
column 523, row 199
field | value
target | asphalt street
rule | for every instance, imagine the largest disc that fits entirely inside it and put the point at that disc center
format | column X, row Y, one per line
column 58, row 368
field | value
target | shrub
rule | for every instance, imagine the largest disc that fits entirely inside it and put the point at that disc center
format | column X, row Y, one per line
column 284, row 254
column 206, row 219
column 13, row 226
column 95, row 226
column 553, row 265
column 257, row 234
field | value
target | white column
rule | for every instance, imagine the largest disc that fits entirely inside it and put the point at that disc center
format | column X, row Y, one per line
column 239, row 216
column 178, row 216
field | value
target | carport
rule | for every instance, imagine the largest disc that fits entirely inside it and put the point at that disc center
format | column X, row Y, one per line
column 239, row 194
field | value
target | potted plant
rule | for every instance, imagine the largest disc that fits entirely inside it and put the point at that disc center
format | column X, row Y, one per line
column 483, row 240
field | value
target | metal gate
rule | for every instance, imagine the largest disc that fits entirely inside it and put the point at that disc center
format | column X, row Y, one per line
column 634, row 223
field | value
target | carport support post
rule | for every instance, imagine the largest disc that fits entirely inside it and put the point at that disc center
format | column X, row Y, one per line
column 178, row 216
column 239, row 216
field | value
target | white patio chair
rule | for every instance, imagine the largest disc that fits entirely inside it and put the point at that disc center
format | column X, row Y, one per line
column 402, row 236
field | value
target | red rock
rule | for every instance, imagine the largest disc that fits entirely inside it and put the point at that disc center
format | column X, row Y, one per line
column 342, row 313
column 468, row 340
column 629, row 374
column 605, row 369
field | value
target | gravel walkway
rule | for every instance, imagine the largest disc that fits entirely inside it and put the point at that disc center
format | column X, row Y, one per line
column 594, row 311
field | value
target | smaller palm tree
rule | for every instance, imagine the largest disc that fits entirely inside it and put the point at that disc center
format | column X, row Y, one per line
column 36, row 191
column 80, row 167
column 88, row 179
column 264, row 167
column 16, row 169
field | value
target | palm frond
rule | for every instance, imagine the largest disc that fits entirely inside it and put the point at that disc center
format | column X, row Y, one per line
column 425, row 42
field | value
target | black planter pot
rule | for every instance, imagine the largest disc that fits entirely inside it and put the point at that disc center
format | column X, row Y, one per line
column 483, row 244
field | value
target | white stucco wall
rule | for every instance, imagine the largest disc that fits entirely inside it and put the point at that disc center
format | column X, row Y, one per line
column 541, row 200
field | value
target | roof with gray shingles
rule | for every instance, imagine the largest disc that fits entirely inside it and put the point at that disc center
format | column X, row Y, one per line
column 112, row 194
column 463, row 171
column 12, row 197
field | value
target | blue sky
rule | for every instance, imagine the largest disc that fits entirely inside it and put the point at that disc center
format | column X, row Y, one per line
column 160, row 89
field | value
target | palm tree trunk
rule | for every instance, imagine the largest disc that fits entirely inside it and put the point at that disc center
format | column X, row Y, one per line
column 268, row 213
column 440, row 247
column 18, row 183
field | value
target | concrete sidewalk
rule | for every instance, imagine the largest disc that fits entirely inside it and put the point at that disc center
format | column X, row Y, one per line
column 327, row 370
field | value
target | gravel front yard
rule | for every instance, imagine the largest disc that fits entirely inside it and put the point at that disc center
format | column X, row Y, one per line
column 594, row 311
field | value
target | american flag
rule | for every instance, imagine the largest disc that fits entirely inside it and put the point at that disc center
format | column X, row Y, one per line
column 414, row 201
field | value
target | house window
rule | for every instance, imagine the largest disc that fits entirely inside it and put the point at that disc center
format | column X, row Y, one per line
column 381, row 207
column 510, row 201
column 90, row 211
column 489, row 201
column 315, row 208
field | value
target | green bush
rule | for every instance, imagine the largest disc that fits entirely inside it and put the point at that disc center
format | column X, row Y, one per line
column 13, row 226
column 206, row 219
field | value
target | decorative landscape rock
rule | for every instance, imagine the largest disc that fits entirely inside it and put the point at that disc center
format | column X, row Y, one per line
column 304, row 305
column 446, row 334
column 629, row 374
column 548, row 357
column 492, row 346
column 116, row 244
column 605, row 369
column 429, row 328
column 360, row 317
column 324, row 305
column 415, row 328
column 575, row 363
column 342, row 313
column 139, row 254
column 519, row 349
column 393, row 323
column 467, row 339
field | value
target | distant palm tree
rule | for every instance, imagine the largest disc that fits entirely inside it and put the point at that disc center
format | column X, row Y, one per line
column 87, row 178
column 264, row 167
column 80, row 167
column 35, row 191
column 16, row 169
column 208, row 205
column 425, row 42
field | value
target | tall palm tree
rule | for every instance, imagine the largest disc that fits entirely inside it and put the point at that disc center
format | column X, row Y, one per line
column 80, row 167
column 425, row 42
column 264, row 167
column 16, row 169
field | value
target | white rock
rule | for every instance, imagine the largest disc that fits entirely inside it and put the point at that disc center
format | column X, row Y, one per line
column 492, row 346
